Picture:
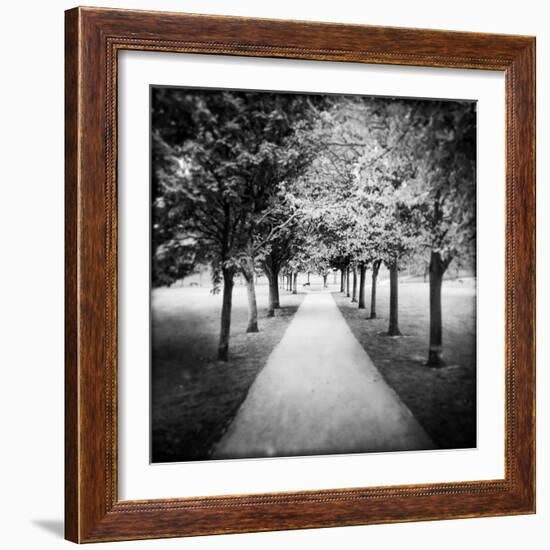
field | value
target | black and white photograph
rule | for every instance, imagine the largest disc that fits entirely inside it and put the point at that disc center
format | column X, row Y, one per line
column 313, row 274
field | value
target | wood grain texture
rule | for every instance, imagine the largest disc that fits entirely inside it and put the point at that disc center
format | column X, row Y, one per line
column 71, row 273
column 93, row 38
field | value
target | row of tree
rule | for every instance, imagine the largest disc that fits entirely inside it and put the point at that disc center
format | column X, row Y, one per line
column 289, row 183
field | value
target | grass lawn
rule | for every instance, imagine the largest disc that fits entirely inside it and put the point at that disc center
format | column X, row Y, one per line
column 194, row 396
column 443, row 400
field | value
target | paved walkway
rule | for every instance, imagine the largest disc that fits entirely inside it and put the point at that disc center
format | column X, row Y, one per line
column 320, row 393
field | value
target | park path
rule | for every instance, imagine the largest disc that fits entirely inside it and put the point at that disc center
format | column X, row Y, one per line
column 320, row 393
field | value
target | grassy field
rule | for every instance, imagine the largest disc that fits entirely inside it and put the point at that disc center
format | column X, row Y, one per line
column 442, row 400
column 194, row 396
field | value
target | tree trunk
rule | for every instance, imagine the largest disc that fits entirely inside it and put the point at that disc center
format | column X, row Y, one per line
column 354, row 287
column 273, row 279
column 437, row 270
column 295, row 283
column 308, row 274
column 362, row 273
column 341, row 280
column 347, row 282
column 375, row 269
column 249, row 276
column 325, row 280
column 276, row 299
column 393, row 329
column 225, row 327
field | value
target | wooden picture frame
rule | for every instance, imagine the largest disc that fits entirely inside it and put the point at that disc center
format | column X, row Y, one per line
column 93, row 511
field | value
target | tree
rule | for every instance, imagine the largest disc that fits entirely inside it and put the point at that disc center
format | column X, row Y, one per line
column 384, row 171
column 279, row 251
column 280, row 163
column 247, row 268
column 368, row 149
column 446, row 188
column 362, row 275
column 291, row 183
column 278, row 255
column 195, row 182
column 400, row 242
column 330, row 208
column 276, row 233
column 374, row 277
column 217, row 178
column 354, row 285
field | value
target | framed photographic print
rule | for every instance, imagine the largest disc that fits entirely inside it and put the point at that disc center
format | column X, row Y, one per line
column 300, row 275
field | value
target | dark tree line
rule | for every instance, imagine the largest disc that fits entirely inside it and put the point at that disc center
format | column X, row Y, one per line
column 290, row 183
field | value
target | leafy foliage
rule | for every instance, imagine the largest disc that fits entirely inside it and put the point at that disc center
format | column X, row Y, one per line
column 295, row 182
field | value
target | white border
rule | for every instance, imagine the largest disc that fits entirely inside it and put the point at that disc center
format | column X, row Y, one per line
column 140, row 480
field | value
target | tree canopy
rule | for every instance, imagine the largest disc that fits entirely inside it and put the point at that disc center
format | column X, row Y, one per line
column 246, row 181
